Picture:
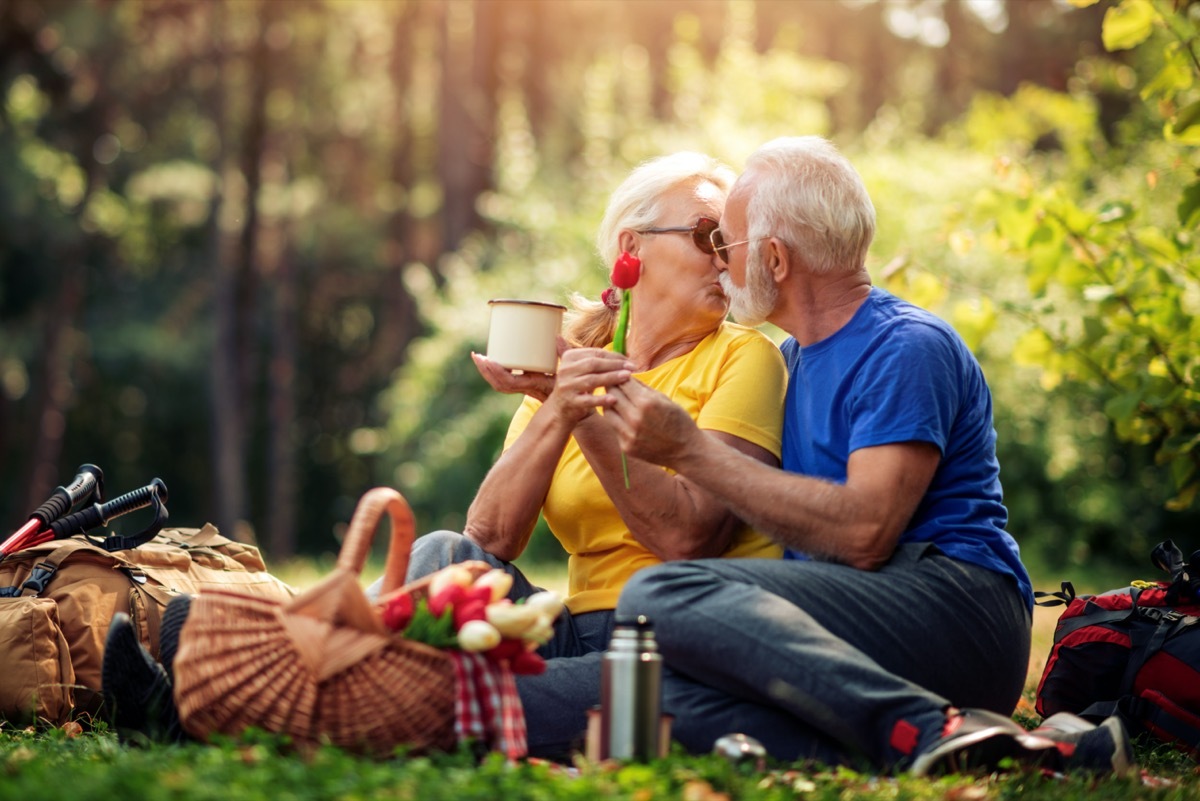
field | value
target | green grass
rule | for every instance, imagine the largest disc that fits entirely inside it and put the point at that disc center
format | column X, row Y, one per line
column 56, row 766
column 50, row 766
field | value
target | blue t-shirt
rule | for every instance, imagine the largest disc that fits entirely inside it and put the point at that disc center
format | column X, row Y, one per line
column 896, row 373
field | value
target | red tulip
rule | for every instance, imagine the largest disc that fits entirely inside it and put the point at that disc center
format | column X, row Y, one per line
column 447, row 597
column 626, row 271
column 398, row 612
column 469, row 609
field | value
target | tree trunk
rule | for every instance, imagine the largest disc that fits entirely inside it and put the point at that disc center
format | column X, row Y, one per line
column 467, row 114
column 399, row 324
column 229, row 472
column 55, row 382
column 281, row 417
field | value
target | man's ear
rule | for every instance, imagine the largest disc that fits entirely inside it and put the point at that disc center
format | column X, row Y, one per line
column 779, row 260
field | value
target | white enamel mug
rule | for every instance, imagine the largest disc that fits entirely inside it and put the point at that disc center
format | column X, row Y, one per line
column 524, row 334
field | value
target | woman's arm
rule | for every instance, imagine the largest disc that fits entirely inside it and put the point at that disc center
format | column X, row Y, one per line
column 670, row 515
column 506, row 508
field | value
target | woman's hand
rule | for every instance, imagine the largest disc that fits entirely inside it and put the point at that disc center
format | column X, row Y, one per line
column 505, row 509
column 581, row 371
column 535, row 385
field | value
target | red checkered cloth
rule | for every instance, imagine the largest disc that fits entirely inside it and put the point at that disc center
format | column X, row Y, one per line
column 487, row 707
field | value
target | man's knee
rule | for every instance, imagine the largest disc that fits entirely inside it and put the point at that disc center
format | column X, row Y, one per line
column 654, row 591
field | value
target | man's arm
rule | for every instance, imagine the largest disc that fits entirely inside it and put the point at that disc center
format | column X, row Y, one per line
column 857, row 523
column 668, row 514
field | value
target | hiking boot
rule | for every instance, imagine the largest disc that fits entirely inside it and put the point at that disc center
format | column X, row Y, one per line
column 174, row 616
column 1086, row 747
column 976, row 740
column 137, row 692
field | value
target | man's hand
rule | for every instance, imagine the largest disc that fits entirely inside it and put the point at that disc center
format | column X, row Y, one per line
column 650, row 426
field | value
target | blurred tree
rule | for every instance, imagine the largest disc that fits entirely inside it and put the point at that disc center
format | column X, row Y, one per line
column 245, row 246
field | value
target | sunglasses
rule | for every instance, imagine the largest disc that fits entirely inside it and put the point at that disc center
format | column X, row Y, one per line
column 718, row 245
column 702, row 233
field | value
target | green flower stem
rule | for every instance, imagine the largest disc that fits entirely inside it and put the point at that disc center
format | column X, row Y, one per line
column 619, row 347
column 622, row 323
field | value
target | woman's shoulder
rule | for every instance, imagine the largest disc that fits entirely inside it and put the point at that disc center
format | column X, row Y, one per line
column 734, row 336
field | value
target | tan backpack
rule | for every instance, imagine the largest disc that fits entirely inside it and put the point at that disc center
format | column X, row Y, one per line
column 57, row 599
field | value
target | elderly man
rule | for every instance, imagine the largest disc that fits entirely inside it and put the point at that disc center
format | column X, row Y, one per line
column 898, row 631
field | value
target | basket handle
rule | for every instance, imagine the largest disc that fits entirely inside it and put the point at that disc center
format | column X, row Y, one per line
column 357, row 544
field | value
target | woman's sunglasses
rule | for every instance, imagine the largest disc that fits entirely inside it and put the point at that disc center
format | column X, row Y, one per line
column 702, row 234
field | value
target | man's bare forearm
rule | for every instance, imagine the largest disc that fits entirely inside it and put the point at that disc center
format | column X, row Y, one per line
column 857, row 523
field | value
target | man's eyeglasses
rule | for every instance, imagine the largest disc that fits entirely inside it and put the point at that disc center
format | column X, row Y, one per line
column 701, row 232
column 718, row 245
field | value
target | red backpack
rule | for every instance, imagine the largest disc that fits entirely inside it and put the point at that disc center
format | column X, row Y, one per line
column 1133, row 652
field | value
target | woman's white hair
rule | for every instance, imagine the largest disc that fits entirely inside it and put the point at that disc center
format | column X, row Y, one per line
column 810, row 196
column 637, row 203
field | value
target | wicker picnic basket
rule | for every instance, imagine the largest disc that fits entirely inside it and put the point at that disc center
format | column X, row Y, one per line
column 322, row 667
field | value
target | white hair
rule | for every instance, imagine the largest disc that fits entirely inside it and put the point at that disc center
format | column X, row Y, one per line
column 810, row 196
column 637, row 203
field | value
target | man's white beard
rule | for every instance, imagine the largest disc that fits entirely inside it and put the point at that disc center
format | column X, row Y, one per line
column 753, row 303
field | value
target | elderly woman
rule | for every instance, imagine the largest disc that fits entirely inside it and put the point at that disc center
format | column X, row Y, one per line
column 561, row 457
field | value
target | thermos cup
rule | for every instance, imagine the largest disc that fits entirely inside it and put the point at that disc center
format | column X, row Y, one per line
column 631, row 693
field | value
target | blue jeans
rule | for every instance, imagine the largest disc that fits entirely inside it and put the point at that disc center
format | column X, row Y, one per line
column 818, row 660
column 556, row 702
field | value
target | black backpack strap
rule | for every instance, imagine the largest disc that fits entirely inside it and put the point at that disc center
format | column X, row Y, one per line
column 1145, row 642
column 1060, row 598
column 1089, row 618
column 1104, row 709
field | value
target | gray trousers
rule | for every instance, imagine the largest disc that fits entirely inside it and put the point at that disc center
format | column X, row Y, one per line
column 818, row 660
column 556, row 702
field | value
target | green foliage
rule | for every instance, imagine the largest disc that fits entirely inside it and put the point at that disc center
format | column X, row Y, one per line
column 1110, row 262
column 433, row 630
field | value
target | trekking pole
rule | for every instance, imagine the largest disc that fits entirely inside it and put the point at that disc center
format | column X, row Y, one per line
column 87, row 485
column 153, row 494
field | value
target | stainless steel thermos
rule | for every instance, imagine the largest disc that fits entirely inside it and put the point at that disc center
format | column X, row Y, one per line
column 631, row 693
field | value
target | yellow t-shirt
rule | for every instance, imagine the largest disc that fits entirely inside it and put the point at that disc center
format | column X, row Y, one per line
column 733, row 381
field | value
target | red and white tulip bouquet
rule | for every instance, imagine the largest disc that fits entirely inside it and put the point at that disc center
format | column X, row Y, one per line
column 473, row 615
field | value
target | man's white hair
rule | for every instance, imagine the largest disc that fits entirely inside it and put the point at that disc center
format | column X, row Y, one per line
column 810, row 196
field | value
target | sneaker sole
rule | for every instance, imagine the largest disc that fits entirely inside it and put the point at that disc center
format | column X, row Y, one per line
column 983, row 749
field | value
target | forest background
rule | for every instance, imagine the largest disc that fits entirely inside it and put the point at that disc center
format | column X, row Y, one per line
column 247, row 246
